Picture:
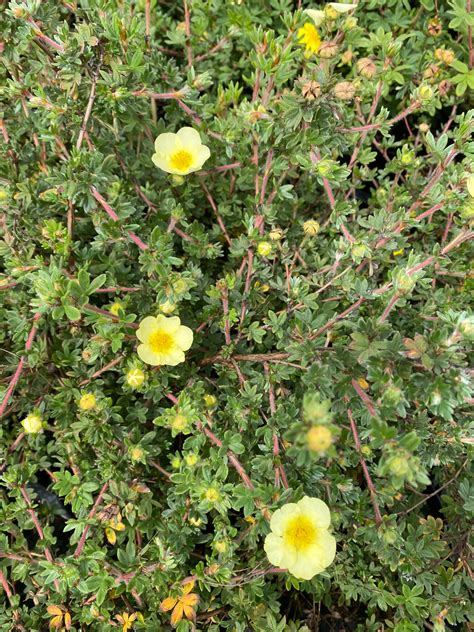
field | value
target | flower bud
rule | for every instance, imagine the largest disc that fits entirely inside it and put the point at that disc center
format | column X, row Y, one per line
column 167, row 307
column 328, row 50
column 366, row 67
column 210, row 400
column 344, row 90
column 264, row 249
column 276, row 234
column 349, row 23
column 425, row 93
column 445, row 55
column 32, row 424
column 424, row 128
column 311, row 227
column 347, row 56
column 135, row 378
column 311, row 90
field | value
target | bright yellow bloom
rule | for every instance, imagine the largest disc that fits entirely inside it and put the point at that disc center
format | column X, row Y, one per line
column 180, row 153
column 164, row 340
column 135, row 378
column 87, row 401
column 32, row 424
column 299, row 540
column 319, row 438
column 310, row 38
column 126, row 620
column 184, row 604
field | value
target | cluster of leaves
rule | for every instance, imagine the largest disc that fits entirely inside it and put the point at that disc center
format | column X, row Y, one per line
column 358, row 324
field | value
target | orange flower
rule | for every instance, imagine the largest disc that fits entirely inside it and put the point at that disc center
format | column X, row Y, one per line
column 181, row 605
column 61, row 617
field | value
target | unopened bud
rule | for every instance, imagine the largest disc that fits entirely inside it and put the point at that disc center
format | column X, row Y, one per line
column 328, row 50
column 344, row 90
column 366, row 67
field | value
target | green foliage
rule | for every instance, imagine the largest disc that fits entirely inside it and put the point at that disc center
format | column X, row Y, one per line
column 359, row 324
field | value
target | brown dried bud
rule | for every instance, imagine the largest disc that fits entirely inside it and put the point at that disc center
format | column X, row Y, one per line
column 344, row 90
column 435, row 27
column 328, row 50
column 445, row 55
column 444, row 87
column 311, row 90
column 367, row 67
column 431, row 72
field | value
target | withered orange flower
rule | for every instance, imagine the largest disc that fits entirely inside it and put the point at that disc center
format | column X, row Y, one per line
column 183, row 605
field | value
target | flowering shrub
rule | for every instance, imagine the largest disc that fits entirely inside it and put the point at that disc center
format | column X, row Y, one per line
column 235, row 246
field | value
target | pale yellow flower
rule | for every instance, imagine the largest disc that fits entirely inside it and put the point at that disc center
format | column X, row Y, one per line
column 212, row 495
column 300, row 540
column 470, row 186
column 116, row 308
column 180, row 153
column 334, row 7
column 164, row 340
column 135, row 378
column 319, row 438
column 167, row 307
column 32, row 424
column 309, row 37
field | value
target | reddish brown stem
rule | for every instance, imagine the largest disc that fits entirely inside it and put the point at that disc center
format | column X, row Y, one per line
column 365, row 469
column 80, row 544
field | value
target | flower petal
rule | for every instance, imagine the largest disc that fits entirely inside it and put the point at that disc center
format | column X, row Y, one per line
column 166, row 143
column 204, row 154
column 189, row 612
column 281, row 516
column 183, row 338
column 147, row 326
column 162, row 162
column 189, row 138
column 316, row 15
column 168, row 604
column 54, row 610
column 173, row 357
column 316, row 510
column 170, row 324
column 274, row 548
column 187, row 587
column 190, row 600
column 304, row 567
column 342, row 7
column 177, row 614
column 110, row 535
column 150, row 357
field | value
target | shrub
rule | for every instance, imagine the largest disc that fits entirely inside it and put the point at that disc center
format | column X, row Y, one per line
column 321, row 258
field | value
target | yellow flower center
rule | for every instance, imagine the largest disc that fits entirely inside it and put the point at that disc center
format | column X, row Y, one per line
column 181, row 160
column 300, row 533
column 161, row 342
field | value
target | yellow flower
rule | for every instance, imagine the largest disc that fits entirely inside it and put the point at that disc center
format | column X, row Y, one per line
column 32, row 424
column 180, row 153
column 87, row 401
column 115, row 308
column 220, row 546
column 136, row 453
column 61, row 617
column 164, row 340
column 311, row 227
column 126, row 620
column 135, row 378
column 331, row 11
column 184, row 604
column 212, row 495
column 299, row 540
column 319, row 438
column 176, row 462
column 310, row 38
column 114, row 524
